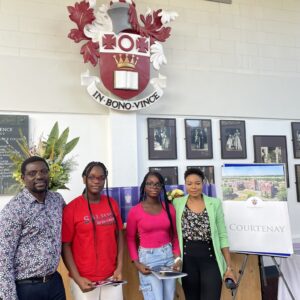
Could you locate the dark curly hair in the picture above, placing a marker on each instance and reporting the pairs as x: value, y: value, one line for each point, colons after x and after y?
x: 30, y: 160
x: 194, y: 171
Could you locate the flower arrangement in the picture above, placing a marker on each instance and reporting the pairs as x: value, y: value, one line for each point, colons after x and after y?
x: 176, y: 193
x: 53, y: 150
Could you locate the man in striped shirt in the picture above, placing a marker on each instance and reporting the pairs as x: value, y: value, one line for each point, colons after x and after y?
x: 30, y: 238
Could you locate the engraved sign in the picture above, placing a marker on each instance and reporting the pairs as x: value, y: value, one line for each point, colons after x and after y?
x: 10, y: 127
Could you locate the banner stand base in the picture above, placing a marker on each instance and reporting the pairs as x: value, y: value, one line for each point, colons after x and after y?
x: 283, y: 278
x: 241, y: 273
x: 262, y: 273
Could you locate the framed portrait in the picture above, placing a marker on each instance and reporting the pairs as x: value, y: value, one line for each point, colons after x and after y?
x: 233, y: 139
x: 296, y: 138
x: 209, y: 173
x: 162, y: 138
x: 198, y: 139
x: 271, y: 149
x: 170, y: 174
x: 297, y: 175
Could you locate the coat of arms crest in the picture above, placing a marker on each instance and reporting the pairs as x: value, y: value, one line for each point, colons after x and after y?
x: 128, y: 54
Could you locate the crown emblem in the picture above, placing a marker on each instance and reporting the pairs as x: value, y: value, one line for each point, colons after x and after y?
x: 254, y: 201
x: 126, y: 63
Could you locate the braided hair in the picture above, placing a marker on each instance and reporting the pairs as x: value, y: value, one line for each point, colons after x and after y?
x: 164, y: 194
x: 87, y: 170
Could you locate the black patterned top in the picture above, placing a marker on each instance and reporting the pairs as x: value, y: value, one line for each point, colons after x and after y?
x: 30, y: 239
x: 195, y: 226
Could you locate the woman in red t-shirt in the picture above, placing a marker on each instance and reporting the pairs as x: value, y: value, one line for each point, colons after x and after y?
x: 92, y: 238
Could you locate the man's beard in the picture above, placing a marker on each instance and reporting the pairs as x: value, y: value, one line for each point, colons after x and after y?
x: 40, y: 190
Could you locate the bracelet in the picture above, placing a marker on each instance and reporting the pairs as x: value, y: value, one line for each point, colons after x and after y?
x: 177, y: 259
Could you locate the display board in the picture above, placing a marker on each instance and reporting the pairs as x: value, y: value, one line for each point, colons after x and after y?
x: 10, y: 127
x: 255, y: 209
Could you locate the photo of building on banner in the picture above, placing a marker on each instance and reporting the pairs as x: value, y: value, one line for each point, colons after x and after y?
x: 267, y: 182
x: 255, y: 208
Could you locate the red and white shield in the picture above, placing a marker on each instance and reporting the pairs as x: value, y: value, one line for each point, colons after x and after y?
x: 125, y: 63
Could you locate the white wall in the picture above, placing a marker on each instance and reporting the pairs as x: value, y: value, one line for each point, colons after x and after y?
x: 233, y: 60
x: 40, y: 66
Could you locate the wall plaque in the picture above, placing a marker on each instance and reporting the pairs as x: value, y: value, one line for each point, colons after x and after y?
x: 10, y: 127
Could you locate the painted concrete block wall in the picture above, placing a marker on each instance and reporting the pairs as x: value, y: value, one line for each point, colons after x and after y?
x: 239, y: 59
x: 40, y: 66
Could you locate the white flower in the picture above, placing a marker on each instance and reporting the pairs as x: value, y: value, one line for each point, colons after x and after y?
x: 92, y: 3
x: 157, y: 55
x: 167, y: 16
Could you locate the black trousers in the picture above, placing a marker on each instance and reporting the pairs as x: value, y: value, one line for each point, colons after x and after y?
x: 50, y: 290
x: 204, y: 280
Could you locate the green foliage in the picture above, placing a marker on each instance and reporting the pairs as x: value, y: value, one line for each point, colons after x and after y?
x: 282, y: 193
x: 250, y: 193
x: 227, y: 192
x: 53, y: 150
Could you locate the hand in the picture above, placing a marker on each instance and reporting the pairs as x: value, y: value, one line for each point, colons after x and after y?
x: 177, y: 265
x: 229, y: 274
x: 85, y: 284
x: 117, y: 276
x: 142, y: 268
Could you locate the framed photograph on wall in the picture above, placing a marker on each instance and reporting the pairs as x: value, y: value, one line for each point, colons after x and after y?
x: 271, y: 149
x: 297, y: 175
x: 209, y: 173
x: 170, y: 174
x: 162, y: 138
x: 233, y: 139
x: 198, y: 139
x: 296, y: 138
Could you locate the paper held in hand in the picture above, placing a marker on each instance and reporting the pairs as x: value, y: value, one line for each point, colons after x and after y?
x: 162, y: 272
x: 109, y: 282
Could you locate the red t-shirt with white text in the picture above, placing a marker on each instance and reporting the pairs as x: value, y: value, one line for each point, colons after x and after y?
x: 94, y: 251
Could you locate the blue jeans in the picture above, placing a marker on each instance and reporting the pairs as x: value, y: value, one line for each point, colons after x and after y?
x: 50, y: 290
x: 151, y: 287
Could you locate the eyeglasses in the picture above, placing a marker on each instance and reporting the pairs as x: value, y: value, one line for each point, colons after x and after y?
x: 96, y: 178
x: 33, y: 173
x: 154, y: 184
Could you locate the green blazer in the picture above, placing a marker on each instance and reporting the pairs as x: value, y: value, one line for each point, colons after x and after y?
x: 217, y: 226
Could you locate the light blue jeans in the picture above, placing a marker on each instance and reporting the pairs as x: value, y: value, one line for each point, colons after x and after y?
x: 151, y: 287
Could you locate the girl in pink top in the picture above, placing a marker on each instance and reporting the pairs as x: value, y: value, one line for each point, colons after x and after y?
x: 153, y: 219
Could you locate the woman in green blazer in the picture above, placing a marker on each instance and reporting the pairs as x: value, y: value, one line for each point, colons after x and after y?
x: 203, y: 240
